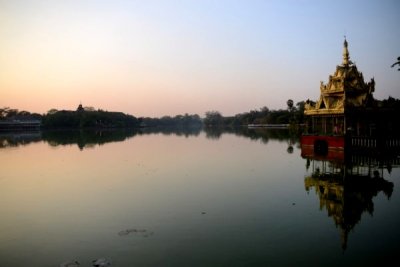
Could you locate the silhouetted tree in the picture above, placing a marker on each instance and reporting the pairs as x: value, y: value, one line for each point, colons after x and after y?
x: 290, y: 104
x: 52, y: 111
x: 397, y: 63
x: 213, y: 118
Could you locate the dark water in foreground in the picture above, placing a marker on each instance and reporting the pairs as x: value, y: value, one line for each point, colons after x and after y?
x: 188, y: 199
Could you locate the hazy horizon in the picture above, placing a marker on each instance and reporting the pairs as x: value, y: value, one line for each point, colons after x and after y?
x: 155, y: 58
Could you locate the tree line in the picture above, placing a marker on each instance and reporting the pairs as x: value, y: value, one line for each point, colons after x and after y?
x: 186, y: 120
x: 81, y: 118
x: 293, y: 114
x: 88, y: 117
x: 87, y: 138
x: 7, y: 113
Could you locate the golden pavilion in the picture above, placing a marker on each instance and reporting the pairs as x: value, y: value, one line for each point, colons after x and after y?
x: 345, y: 92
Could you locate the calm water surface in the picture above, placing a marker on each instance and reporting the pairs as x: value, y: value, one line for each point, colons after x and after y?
x: 194, y: 199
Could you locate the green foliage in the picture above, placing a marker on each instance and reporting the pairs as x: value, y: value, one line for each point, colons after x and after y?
x: 177, y: 121
x: 261, y: 116
x: 290, y: 104
x: 299, y: 112
x: 213, y: 118
x: 7, y: 113
x: 52, y: 111
x: 390, y: 103
x: 397, y: 63
x: 86, y: 119
x: 292, y: 115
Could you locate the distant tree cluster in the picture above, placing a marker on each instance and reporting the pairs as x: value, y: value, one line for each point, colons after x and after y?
x: 86, y: 119
x: 7, y: 113
x: 89, y: 117
x: 186, y: 120
x: 214, y: 118
x: 291, y: 115
x: 390, y: 103
x: 397, y: 63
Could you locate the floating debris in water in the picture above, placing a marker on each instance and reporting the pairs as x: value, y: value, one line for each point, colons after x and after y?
x: 72, y: 263
x: 142, y: 232
x: 101, y: 262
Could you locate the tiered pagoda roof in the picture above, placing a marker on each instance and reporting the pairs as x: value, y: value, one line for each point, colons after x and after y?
x: 345, y: 89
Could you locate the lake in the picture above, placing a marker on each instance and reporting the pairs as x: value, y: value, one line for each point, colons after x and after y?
x: 189, y: 198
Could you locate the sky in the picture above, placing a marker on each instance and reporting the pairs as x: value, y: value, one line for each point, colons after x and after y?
x: 168, y: 57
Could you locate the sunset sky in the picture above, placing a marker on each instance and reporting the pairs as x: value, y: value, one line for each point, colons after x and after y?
x: 169, y: 57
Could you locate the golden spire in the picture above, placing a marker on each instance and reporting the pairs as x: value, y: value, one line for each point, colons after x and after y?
x: 346, y: 55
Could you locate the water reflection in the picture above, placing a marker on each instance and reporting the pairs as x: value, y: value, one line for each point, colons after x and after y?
x: 261, y: 134
x: 89, y: 138
x: 86, y: 139
x: 347, y: 181
x: 162, y: 199
x: 21, y: 138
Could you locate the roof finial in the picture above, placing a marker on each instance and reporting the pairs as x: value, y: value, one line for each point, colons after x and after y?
x: 346, y: 55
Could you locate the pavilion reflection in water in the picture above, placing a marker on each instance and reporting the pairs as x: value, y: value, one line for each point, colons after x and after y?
x: 351, y: 141
x: 347, y: 181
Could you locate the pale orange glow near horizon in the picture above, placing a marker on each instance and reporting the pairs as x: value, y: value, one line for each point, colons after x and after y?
x: 160, y: 58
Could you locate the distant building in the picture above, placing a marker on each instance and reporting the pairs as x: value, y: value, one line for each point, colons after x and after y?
x: 80, y: 108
